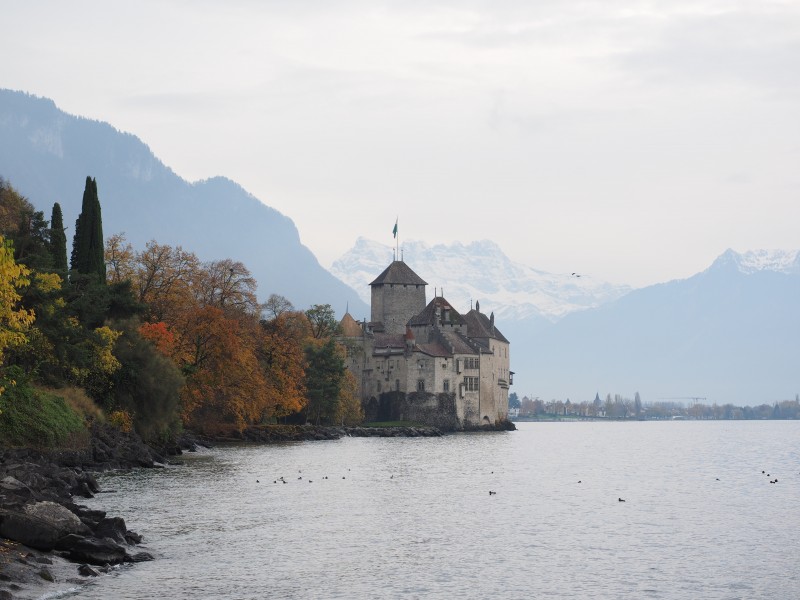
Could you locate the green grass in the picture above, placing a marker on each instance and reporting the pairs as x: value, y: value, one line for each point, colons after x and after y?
x: 38, y: 419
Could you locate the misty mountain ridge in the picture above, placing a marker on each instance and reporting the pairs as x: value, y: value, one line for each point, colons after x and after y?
x: 728, y: 334
x: 46, y: 155
x: 479, y: 270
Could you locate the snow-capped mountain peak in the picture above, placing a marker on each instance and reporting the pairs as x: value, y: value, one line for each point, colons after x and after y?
x: 753, y: 261
x: 479, y: 270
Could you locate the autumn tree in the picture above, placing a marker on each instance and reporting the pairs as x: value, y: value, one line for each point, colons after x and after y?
x: 120, y: 259
x: 14, y: 320
x: 280, y: 352
x: 228, y: 285
x: 225, y: 386
x: 164, y: 279
x: 275, y: 306
x: 349, y: 411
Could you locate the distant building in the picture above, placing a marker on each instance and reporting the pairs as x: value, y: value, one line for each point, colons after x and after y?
x: 427, y: 363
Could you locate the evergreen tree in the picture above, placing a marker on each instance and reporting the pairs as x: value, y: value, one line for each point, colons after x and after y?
x: 87, y: 245
x: 58, y: 239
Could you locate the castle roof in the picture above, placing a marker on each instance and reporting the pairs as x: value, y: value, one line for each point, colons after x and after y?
x: 481, y: 326
x: 350, y: 327
x: 434, y: 349
x: 398, y: 272
x: 389, y: 340
x: 437, y: 305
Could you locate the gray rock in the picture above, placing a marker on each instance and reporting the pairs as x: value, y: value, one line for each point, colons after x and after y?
x: 113, y: 528
x: 87, y: 571
x: 28, y: 530
x: 97, y: 552
x: 59, y: 517
x: 140, y: 557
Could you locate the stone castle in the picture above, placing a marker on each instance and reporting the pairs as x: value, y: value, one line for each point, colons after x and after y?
x: 427, y: 363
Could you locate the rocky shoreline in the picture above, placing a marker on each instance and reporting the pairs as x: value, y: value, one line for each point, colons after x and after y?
x: 49, y: 542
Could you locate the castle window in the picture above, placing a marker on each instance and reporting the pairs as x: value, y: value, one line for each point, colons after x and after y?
x: 471, y: 384
x: 446, y: 385
x: 379, y: 387
x: 420, y: 385
x: 397, y: 385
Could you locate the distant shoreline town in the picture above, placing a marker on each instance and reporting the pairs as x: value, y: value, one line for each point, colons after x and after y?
x: 619, y: 408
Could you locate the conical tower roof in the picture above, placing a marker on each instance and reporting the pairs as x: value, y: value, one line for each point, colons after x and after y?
x: 398, y: 273
x: 350, y: 327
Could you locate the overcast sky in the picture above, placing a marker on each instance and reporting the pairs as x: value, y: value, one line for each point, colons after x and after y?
x: 630, y: 141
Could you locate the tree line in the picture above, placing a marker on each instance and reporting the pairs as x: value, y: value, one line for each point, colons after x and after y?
x: 621, y: 407
x: 154, y: 339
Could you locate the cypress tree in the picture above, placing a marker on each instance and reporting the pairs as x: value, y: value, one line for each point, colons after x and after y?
x: 58, y: 239
x: 87, y: 245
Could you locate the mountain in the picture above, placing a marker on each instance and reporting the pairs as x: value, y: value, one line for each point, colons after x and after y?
x: 46, y: 155
x: 480, y: 271
x: 727, y: 334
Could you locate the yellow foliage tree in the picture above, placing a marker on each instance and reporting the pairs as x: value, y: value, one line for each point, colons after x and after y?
x: 14, y: 320
x: 349, y: 412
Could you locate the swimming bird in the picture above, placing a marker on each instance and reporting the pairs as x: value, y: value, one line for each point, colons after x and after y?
x: 257, y: 481
x: 579, y: 481
x: 491, y: 493
x: 620, y: 499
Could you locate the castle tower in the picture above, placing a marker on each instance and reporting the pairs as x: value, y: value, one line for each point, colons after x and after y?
x: 397, y: 295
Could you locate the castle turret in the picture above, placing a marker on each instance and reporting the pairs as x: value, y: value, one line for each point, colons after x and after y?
x: 397, y: 295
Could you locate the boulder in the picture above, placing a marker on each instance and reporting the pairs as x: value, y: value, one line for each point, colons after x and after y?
x: 95, y: 551
x: 140, y: 557
x: 63, y: 519
x: 87, y: 571
x: 28, y: 530
x: 112, y: 528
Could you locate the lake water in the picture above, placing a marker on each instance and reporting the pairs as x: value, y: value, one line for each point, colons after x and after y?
x: 413, y: 518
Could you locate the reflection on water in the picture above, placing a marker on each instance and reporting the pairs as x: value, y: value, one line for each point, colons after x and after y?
x: 413, y: 518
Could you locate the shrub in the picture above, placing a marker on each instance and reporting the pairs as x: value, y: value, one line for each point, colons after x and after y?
x: 39, y: 419
x: 122, y: 420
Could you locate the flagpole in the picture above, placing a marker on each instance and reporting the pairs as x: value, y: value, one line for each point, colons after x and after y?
x: 396, y: 239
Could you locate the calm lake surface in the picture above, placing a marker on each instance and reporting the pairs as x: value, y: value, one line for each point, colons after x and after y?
x: 413, y: 518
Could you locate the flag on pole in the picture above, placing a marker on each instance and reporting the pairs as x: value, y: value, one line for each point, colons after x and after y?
x: 394, y: 231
